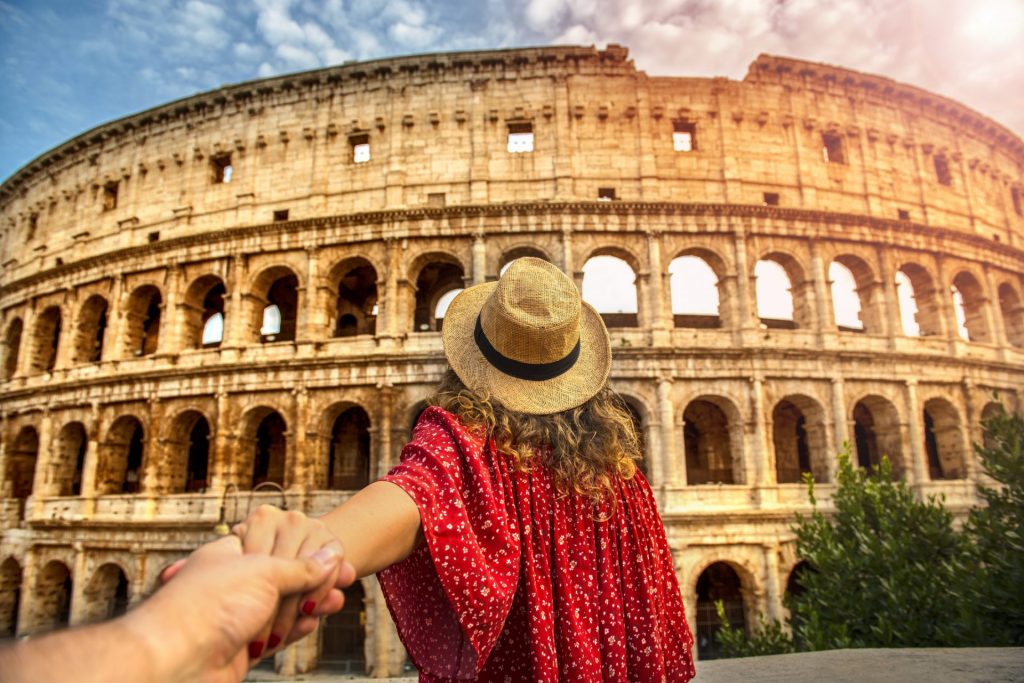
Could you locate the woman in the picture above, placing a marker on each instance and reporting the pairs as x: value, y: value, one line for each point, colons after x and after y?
x: 516, y: 540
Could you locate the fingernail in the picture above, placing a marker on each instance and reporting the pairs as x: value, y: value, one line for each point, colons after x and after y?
x: 273, y: 641
x: 308, y: 607
x: 255, y: 649
x: 325, y: 556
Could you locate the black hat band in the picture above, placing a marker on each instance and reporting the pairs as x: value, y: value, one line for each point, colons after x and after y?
x: 535, y: 372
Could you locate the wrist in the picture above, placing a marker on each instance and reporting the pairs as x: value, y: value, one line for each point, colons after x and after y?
x: 164, y: 648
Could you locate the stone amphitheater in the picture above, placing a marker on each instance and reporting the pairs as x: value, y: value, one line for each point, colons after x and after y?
x: 234, y: 299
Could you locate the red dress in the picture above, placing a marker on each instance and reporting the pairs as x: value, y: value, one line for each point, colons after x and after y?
x: 519, y: 583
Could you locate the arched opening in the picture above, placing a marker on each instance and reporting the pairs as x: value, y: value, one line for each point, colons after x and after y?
x: 92, y: 329
x: 349, y: 465
x: 876, y: 428
x: 846, y: 306
x: 799, y: 438
x: 356, y: 301
x: 21, y: 462
x: 142, y: 321
x: 968, y: 304
x: 776, y: 304
x: 609, y: 285
x: 46, y: 340
x: 106, y: 595
x: 708, y: 444
x: 519, y: 252
x: 12, y: 347
x: 53, y: 597
x: 70, y: 455
x: 10, y: 597
x: 279, y: 289
x: 943, y: 440
x: 267, y: 431
x: 920, y: 306
x: 640, y: 426
x: 695, y: 297
x: 188, y: 454
x: 343, y: 635
x: 204, y: 313
x: 1013, y: 314
x: 435, y: 280
x: 718, y: 582
x: 120, y: 463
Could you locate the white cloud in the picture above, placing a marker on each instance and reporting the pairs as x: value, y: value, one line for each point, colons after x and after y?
x: 246, y: 51
x: 413, y: 35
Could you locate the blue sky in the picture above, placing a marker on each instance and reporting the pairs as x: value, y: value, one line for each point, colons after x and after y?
x: 71, y: 65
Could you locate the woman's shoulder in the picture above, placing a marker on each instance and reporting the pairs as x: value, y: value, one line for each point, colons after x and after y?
x: 437, y: 425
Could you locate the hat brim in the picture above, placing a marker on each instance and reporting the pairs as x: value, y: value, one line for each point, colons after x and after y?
x: 572, y: 388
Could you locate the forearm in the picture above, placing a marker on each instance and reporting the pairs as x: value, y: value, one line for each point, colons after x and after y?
x: 378, y: 527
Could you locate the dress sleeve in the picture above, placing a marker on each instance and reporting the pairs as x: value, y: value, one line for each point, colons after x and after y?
x: 450, y: 598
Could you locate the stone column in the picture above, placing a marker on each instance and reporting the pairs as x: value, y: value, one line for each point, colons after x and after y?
x: 28, y: 346
x: 971, y: 432
x: 149, y: 481
x: 29, y: 584
x: 669, y: 473
x: 6, y: 486
x: 840, y: 424
x: 68, y: 331
x: 479, y: 258
x: 311, y: 308
x: 79, y: 609
x: 772, y: 584
x: 382, y: 454
x: 914, y: 420
x: 236, y: 317
x: 91, y: 462
x: 659, y: 313
x: 113, y: 339
x: 994, y: 315
x: 760, y: 457
x: 221, y: 470
x: 823, y: 323
x: 389, y: 327
x: 746, y: 312
x: 42, y: 486
x: 567, y: 259
x: 299, y: 473
x: 138, y: 581
x: 172, y: 314
x: 890, y: 299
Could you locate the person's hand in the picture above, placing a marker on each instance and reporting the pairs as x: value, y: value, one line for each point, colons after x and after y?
x: 200, y: 624
x: 271, y: 531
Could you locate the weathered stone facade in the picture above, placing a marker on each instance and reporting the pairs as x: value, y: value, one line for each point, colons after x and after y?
x: 241, y: 287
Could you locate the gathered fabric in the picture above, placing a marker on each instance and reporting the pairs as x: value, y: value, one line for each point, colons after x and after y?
x: 518, y: 581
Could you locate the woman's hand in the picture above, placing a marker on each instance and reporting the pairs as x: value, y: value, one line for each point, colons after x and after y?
x: 271, y: 531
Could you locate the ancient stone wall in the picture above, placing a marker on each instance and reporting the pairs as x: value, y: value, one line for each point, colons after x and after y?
x: 243, y: 290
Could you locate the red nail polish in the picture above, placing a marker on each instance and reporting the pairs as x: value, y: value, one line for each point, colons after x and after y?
x: 273, y: 641
x: 308, y: 607
x: 255, y: 649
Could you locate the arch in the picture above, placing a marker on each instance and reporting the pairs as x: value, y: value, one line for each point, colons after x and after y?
x: 142, y: 321
x: 12, y: 348
x: 640, y: 415
x: 783, y: 293
x: 354, y: 285
x: 439, y: 274
x: 21, y: 462
x: 52, y: 599
x: 46, y: 340
x: 92, y: 330
x: 708, y: 426
x: 1013, y: 314
x: 265, y: 442
x: 876, y: 428
x: 119, y: 466
x: 943, y: 440
x: 349, y: 454
x: 106, y: 594
x: 72, y: 442
x: 856, y: 295
x: 800, y: 439
x: 188, y: 453
x: 921, y: 310
x: 204, y: 312
x: 969, y: 304
x: 694, y: 286
x: 519, y: 252
x: 276, y: 291
x: 609, y: 285
x: 718, y: 581
x: 343, y: 634
x: 10, y: 597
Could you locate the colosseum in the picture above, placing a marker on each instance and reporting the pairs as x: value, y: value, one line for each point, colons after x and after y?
x: 234, y: 299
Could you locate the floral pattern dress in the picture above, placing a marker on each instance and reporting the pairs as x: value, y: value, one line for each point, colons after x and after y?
x: 518, y: 582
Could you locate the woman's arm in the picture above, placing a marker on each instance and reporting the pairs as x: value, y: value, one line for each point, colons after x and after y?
x: 377, y: 527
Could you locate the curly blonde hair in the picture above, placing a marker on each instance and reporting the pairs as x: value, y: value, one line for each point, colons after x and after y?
x: 586, y: 448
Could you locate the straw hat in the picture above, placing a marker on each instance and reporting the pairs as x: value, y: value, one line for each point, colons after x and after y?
x: 528, y: 340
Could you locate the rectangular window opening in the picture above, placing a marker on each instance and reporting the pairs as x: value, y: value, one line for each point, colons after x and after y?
x: 771, y: 198
x: 153, y: 236
x: 280, y: 215
x: 1015, y: 196
x: 606, y: 194
x: 832, y: 148
x: 520, y: 138
x: 33, y: 223
x: 110, y: 196
x: 942, y: 172
x: 684, y: 136
x: 435, y: 199
x: 360, y: 148
x: 903, y: 214
x: 222, y: 168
